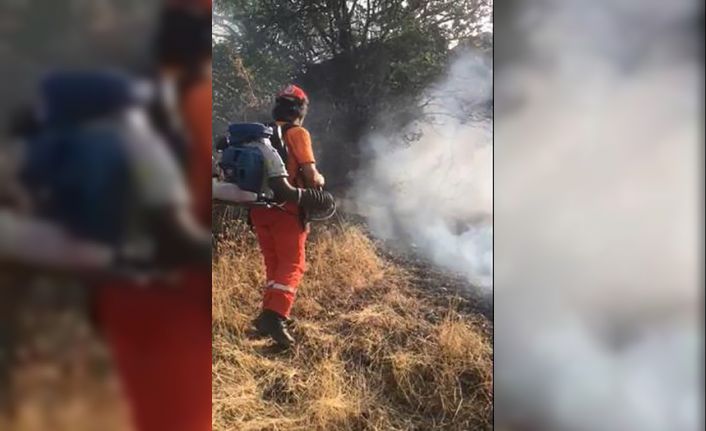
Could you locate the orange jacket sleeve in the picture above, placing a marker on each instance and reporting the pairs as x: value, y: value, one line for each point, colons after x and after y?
x: 300, y: 150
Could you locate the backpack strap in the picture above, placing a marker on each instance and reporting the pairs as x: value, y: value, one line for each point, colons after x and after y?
x: 278, y: 138
x: 277, y: 141
x: 288, y: 126
x: 285, y: 128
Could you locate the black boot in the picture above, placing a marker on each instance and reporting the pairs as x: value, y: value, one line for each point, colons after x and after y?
x: 275, y: 326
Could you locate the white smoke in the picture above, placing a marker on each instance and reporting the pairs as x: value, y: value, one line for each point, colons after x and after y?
x: 436, y: 191
x: 597, y: 223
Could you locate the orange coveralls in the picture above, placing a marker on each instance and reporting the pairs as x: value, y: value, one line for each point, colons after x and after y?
x: 280, y: 233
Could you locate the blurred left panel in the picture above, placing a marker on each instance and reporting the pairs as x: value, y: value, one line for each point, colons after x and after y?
x: 105, y: 244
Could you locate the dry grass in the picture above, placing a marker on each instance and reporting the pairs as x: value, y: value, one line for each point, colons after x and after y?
x: 61, y: 379
x: 373, y: 354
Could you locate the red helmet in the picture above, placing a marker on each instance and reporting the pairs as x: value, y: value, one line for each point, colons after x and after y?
x: 291, y: 91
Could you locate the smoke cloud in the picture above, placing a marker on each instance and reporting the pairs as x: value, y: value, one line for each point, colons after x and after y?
x: 429, y: 185
x: 597, y: 221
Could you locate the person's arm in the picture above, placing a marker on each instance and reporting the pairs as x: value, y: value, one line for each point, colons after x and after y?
x: 180, y: 238
x: 312, y: 177
x: 32, y: 244
x: 163, y: 193
x: 227, y: 192
x: 283, y: 190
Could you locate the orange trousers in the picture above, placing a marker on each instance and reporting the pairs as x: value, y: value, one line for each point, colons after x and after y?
x: 160, y: 340
x: 282, y: 240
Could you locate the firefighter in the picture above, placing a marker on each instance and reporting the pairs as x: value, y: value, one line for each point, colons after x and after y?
x: 160, y: 334
x: 282, y: 232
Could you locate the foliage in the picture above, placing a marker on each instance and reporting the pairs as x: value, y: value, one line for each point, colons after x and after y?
x: 356, y: 58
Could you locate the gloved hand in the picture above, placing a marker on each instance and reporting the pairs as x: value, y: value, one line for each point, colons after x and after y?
x: 317, y: 201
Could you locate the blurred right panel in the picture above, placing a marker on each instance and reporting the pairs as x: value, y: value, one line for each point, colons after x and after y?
x: 598, y: 215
